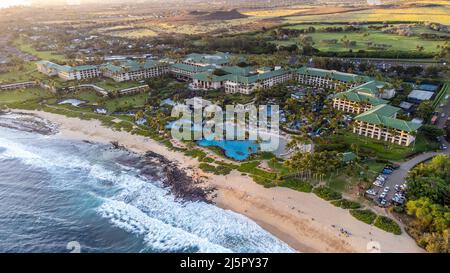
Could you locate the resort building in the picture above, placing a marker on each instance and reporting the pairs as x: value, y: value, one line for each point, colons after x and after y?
x: 19, y: 85
x: 381, y: 123
x: 236, y: 79
x: 249, y: 83
x: 355, y: 103
x: 216, y: 60
x: 133, y: 90
x: 363, y: 97
x: 132, y: 70
x: 375, y: 88
x: 330, y: 79
x: 67, y: 72
x: 182, y: 71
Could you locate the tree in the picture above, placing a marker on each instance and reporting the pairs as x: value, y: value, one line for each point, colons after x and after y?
x: 425, y: 110
x: 431, y: 180
x: 431, y: 131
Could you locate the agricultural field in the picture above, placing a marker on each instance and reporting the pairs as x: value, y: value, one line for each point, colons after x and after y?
x: 438, y: 14
x: 268, y: 13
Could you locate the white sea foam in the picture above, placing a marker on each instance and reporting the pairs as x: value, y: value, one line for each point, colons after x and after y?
x: 144, y: 208
x: 15, y: 150
x: 160, y: 236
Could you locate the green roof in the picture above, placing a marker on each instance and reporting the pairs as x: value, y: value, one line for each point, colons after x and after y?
x: 218, y: 58
x: 236, y: 70
x: 383, y: 110
x: 356, y: 97
x: 333, y: 74
x: 372, y: 87
x: 378, y: 119
x: 257, y: 77
x: 65, y: 68
x: 208, y: 76
x: 130, y: 66
x: 192, y: 68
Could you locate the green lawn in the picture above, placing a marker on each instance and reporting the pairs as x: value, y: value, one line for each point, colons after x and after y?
x: 382, y: 149
x: 397, y: 42
x: 126, y: 102
x: 20, y: 74
x: 14, y: 96
x: 111, y: 85
x: 43, y: 55
x: 342, y: 180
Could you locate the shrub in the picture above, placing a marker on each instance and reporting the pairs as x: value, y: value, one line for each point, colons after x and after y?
x: 346, y: 204
x: 327, y: 193
x: 387, y: 224
x: 366, y: 216
x: 207, y: 159
x: 219, y: 170
x: 297, y: 185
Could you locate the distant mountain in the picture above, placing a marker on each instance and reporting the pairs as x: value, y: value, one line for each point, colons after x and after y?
x: 219, y: 15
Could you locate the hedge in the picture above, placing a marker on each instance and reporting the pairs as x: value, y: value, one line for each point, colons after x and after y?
x: 327, y: 193
x: 366, y: 216
x: 387, y: 224
x: 346, y: 204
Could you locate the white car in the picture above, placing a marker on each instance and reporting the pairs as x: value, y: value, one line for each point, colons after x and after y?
x: 383, y: 195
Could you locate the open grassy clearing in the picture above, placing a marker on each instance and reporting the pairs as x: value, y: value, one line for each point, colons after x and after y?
x: 23, y: 73
x: 44, y: 55
x: 17, y: 96
x: 112, y: 85
x: 382, y: 149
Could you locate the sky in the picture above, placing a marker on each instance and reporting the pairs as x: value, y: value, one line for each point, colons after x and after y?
x: 8, y: 3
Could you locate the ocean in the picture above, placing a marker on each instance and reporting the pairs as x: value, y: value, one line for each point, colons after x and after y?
x: 57, y: 193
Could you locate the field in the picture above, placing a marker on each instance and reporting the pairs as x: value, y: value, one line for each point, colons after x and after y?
x: 43, y: 55
x: 274, y: 12
x: 111, y: 85
x: 383, y: 150
x: 16, y: 96
x: 396, y: 42
x: 438, y: 14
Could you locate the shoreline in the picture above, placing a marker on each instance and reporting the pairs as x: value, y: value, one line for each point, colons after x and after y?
x: 302, y: 220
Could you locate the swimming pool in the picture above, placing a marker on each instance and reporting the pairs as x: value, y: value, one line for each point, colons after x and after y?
x: 236, y: 149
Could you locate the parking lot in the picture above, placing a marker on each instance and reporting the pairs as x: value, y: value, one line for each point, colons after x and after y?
x: 387, y: 190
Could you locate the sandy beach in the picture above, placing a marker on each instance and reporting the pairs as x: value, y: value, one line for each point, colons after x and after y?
x: 304, y: 221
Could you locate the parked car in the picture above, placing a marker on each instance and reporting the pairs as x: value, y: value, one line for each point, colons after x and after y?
x: 444, y: 147
x: 371, y: 192
x: 378, y: 183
